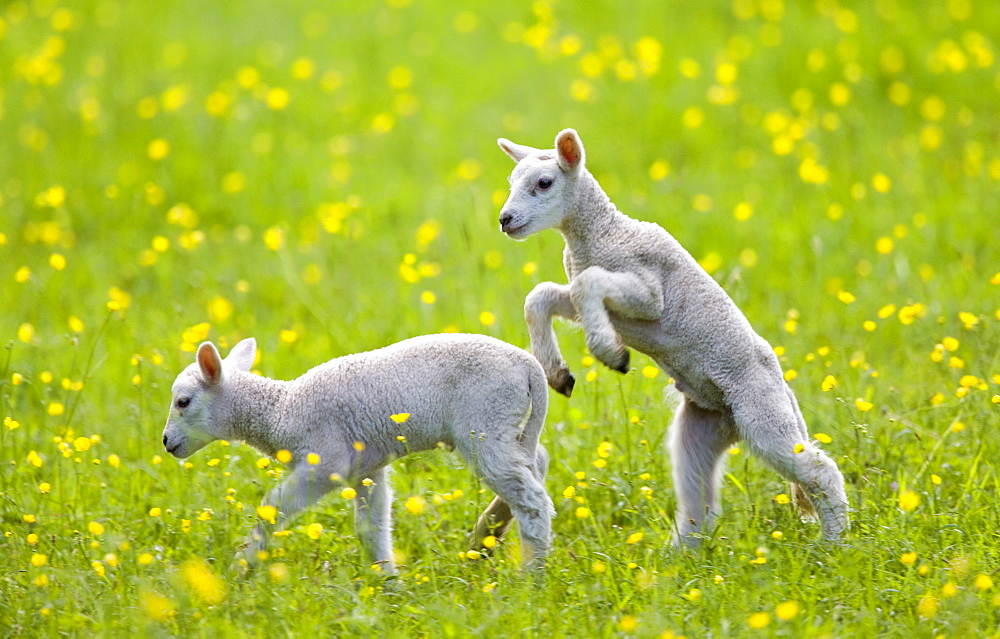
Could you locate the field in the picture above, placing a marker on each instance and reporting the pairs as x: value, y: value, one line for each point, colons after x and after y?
x: 326, y: 179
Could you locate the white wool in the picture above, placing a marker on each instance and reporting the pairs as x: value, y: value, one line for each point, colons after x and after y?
x: 483, y: 397
x: 631, y: 284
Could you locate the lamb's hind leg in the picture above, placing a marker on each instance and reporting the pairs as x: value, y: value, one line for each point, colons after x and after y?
x: 497, y: 518
x: 506, y: 468
x: 545, y: 301
x: 769, y: 425
x: 699, y: 439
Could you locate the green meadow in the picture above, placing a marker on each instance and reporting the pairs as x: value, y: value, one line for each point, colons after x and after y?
x: 324, y: 177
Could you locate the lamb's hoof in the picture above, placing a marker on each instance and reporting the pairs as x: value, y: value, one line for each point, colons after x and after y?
x: 563, y: 382
x: 620, y: 362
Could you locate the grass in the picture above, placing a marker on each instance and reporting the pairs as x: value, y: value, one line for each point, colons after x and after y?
x: 326, y: 180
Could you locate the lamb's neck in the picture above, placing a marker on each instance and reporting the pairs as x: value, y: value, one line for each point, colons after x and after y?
x: 592, y: 215
x: 256, y: 410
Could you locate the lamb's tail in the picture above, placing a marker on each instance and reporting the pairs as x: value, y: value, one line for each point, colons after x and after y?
x: 538, y: 393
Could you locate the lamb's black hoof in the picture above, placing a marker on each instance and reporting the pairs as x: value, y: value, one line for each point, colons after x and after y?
x: 563, y: 382
x: 621, y: 364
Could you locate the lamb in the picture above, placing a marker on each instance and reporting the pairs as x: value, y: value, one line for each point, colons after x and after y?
x: 631, y: 284
x: 475, y: 393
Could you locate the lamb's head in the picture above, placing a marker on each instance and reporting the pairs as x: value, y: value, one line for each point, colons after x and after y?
x: 198, y: 410
x: 542, y: 185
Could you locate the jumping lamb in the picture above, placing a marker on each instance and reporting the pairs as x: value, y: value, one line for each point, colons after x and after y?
x: 632, y: 284
x: 344, y: 421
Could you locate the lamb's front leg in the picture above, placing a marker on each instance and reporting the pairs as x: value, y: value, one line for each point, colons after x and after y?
x: 594, y: 291
x: 373, y: 520
x: 545, y: 301
x: 304, y: 486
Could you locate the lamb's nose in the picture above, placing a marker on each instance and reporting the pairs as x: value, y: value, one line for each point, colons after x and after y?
x: 505, y: 219
x: 164, y: 441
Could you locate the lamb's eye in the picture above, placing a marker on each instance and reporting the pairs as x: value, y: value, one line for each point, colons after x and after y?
x: 182, y: 402
x: 544, y: 183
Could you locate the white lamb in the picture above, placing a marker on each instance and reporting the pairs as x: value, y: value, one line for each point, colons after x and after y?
x: 471, y: 392
x: 631, y: 283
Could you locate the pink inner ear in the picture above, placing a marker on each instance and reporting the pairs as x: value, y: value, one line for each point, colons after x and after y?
x: 568, y: 150
x: 211, y: 366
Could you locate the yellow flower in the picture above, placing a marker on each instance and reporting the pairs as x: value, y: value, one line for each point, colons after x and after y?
x: 267, y: 513
x: 278, y: 572
x: 984, y: 582
x: 759, y: 620
x: 787, y: 611
x: 158, y: 607
x: 650, y: 372
x: 927, y: 607
x: 39, y: 560
x: 909, y: 500
x: 487, y: 318
x: 416, y: 504
x: 782, y: 499
x: 863, y: 406
x: 81, y: 443
x: 582, y: 512
x: 277, y: 98
x: 34, y: 459
x: 158, y: 149
x: 155, y: 511
x: 314, y: 530
x: 968, y: 319
x: 348, y: 493
x: 798, y: 448
x: 400, y: 418
x: 312, y: 459
x: 635, y: 538
x: 489, y: 541
x: 823, y: 438
x: 206, y: 586
x: 659, y: 170
x: 57, y: 408
x: 845, y: 297
x: 95, y: 528
x: 908, y: 558
x: 145, y: 559
x: 627, y: 623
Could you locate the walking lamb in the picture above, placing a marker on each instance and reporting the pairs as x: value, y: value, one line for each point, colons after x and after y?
x: 359, y: 412
x: 632, y: 284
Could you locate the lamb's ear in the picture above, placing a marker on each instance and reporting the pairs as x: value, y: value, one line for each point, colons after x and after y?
x: 243, y: 354
x: 210, y: 363
x: 569, y: 148
x: 517, y: 152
